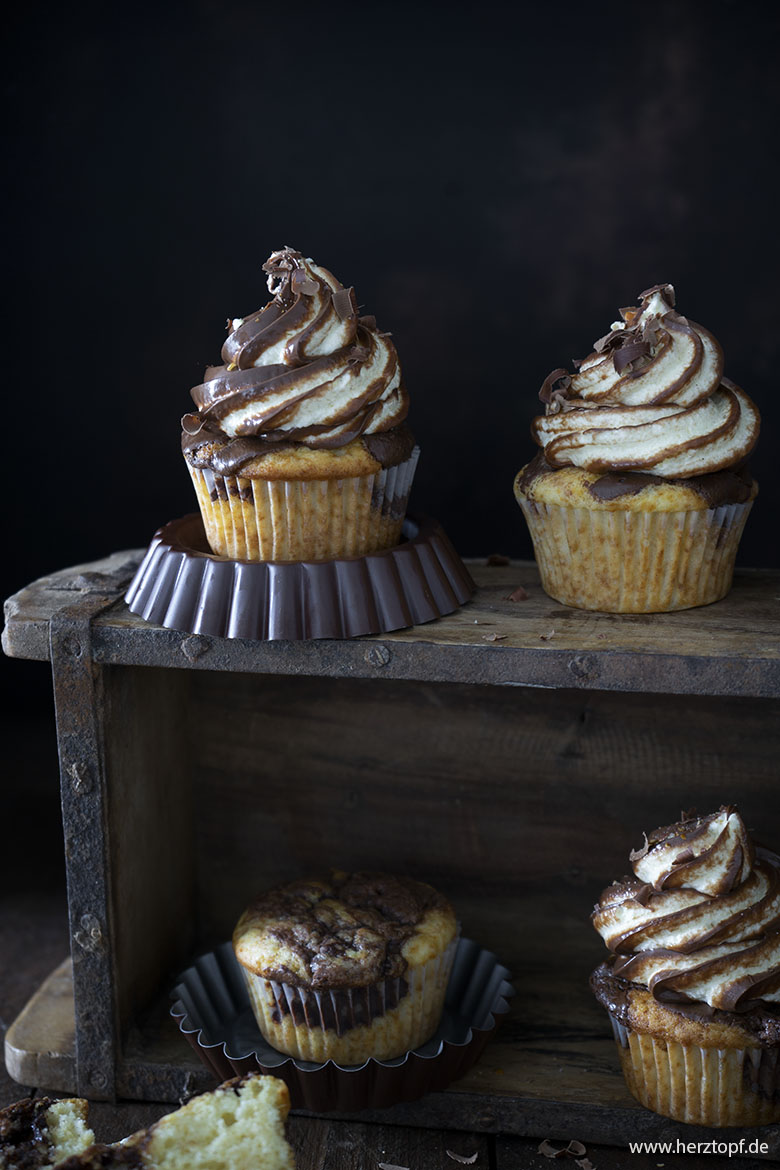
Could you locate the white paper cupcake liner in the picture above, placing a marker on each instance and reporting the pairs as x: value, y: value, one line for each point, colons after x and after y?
x: 303, y: 520
x: 635, y: 562
x: 702, y: 1086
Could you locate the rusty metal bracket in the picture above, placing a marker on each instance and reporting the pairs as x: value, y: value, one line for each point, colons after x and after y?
x: 77, y: 702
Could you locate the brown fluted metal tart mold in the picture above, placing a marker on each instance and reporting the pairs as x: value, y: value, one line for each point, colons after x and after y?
x: 211, y: 1006
x: 181, y: 585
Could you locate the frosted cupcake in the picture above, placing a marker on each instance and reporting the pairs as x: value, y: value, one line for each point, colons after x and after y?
x: 638, y: 498
x: 298, y: 449
x: 693, y: 987
x: 348, y: 968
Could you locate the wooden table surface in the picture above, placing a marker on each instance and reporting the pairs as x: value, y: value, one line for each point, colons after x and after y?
x: 34, y: 939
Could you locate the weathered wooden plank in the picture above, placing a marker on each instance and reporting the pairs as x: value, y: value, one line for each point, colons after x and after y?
x: 731, y: 647
x: 28, y: 613
x: 488, y: 789
x: 320, y: 1145
x: 40, y: 1043
x: 146, y: 732
x: 78, y: 702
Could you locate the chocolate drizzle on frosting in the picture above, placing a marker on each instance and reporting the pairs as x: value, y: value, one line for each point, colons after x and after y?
x: 209, y: 447
x: 700, y: 921
x: 615, y: 993
x: 650, y: 398
x: 304, y: 369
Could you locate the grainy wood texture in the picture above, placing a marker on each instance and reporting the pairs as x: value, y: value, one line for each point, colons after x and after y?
x: 323, y: 1145
x: 150, y: 828
x: 439, y: 751
x: 730, y: 648
x: 40, y: 1045
x: 502, y: 787
x: 79, y: 705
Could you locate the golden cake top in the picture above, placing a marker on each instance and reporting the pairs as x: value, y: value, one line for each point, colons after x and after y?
x: 348, y: 930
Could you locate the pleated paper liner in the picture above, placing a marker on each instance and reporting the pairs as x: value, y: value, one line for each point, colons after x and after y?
x: 211, y: 1006
x: 181, y: 585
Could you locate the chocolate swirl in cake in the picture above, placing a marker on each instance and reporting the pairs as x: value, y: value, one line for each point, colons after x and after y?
x: 651, y: 397
x: 700, y: 921
x: 345, y: 931
x: 305, y: 368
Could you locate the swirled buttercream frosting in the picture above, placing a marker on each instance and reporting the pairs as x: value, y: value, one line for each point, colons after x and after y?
x: 650, y: 398
x: 306, y: 368
x: 700, y: 920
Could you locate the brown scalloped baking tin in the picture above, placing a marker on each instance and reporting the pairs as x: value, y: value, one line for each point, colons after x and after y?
x: 211, y: 1007
x: 181, y: 585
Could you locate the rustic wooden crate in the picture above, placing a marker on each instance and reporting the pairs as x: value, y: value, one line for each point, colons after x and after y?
x: 511, y: 753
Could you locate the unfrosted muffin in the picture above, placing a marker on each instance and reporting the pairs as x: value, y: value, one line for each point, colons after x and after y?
x: 41, y: 1131
x: 238, y: 1126
x: 693, y: 985
x: 347, y: 968
x: 637, y: 501
x: 299, y: 450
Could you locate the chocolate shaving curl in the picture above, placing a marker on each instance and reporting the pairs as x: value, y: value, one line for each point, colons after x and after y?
x: 344, y: 303
x: 627, y: 354
x: 666, y: 291
x: 281, y: 268
x: 637, y: 854
x: 608, y: 341
x: 643, y: 895
x: 554, y: 391
x: 574, y: 1149
x: 652, y: 328
x: 192, y: 424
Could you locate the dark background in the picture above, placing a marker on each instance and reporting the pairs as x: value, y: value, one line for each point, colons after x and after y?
x: 494, y: 180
